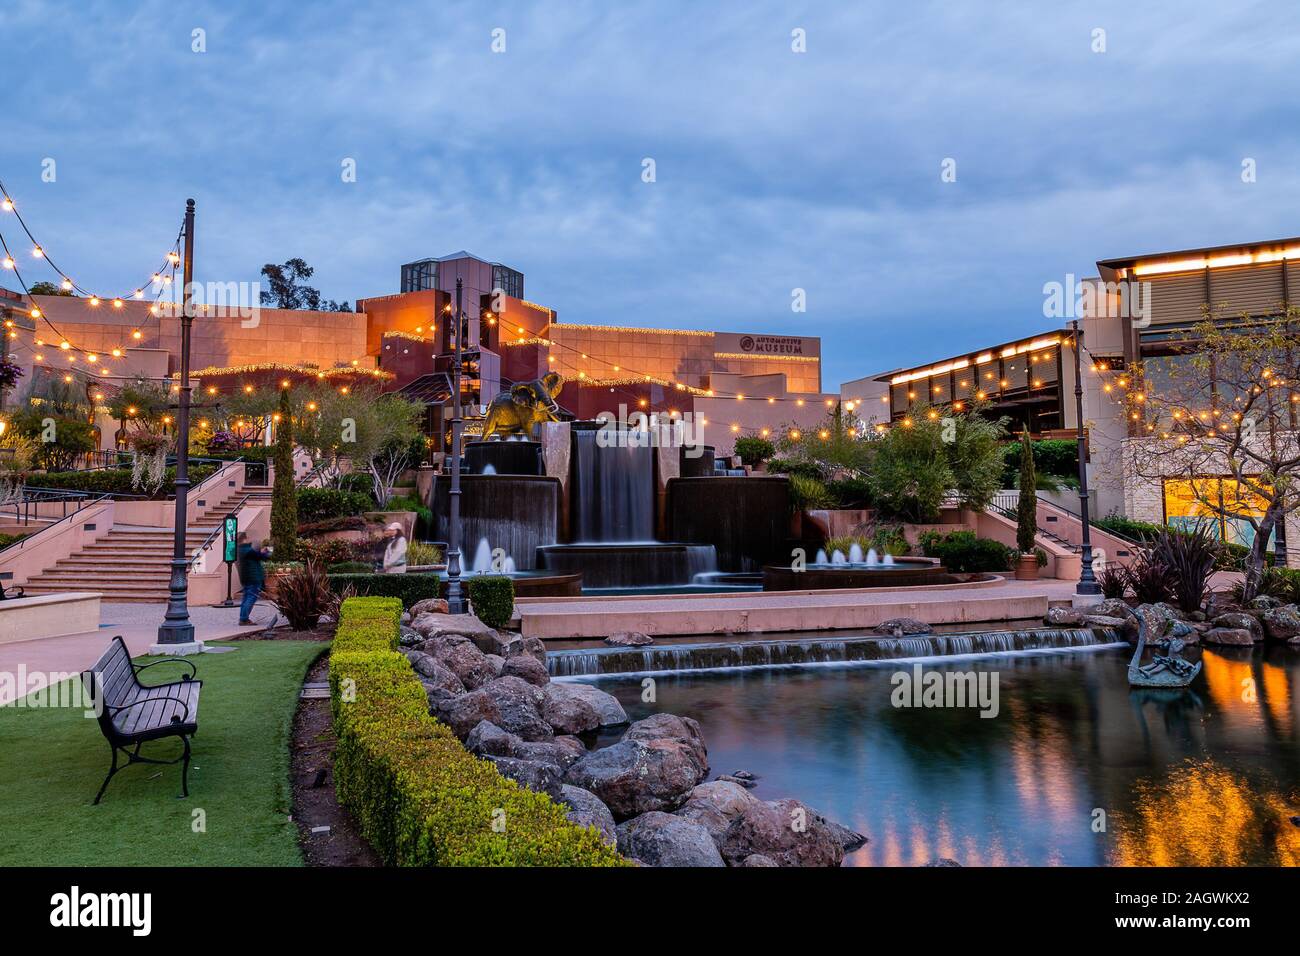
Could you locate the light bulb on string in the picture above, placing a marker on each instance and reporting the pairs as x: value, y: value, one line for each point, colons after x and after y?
x: 67, y: 285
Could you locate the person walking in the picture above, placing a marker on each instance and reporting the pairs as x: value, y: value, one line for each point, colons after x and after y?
x: 395, y: 550
x: 252, y: 574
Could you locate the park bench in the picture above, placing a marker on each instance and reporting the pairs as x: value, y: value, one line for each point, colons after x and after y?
x: 131, y: 713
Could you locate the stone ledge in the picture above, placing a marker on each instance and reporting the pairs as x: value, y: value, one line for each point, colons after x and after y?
x: 48, y: 615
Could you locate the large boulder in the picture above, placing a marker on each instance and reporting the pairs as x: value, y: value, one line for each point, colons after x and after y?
x: 671, y: 727
x: 1239, y: 620
x: 609, y: 711
x: 436, y: 625
x: 1156, y: 618
x: 508, y: 644
x: 431, y: 671
x: 1063, y: 617
x: 519, y: 708
x: 634, y: 776
x: 526, y: 668
x: 465, y: 712
x: 464, y: 660
x: 409, y: 636
x: 1265, y: 602
x: 629, y: 639
x: 566, y: 712
x: 661, y: 839
x: 586, y: 810
x: 1232, y: 636
x: 489, y: 740
x: 715, y: 806
x: 428, y: 606
x: 1115, y: 608
x: 1282, y: 623
x: 787, y: 832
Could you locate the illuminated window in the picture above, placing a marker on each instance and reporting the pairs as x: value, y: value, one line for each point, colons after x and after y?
x: 1189, y: 503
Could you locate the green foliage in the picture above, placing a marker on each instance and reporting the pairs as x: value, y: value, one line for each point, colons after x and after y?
x: 493, y: 599
x: 8, y: 539
x: 795, y: 466
x: 973, y: 445
x: 142, y: 402
x: 1191, y: 557
x: 302, y: 595
x: 410, y: 588
x: 1058, y: 457
x: 327, y: 551
x: 1280, y: 583
x: 284, y: 496
x: 422, y: 554
x: 1113, y: 580
x: 423, y: 515
x: 115, y: 480
x: 419, y: 798
x: 911, y: 473
x: 809, y: 494
x: 753, y: 449
x: 351, y: 567
x: 838, y: 443
x: 850, y: 492
x: 320, y: 504
x: 886, y: 539
x: 70, y: 437
x: 1027, y: 507
x: 965, y: 553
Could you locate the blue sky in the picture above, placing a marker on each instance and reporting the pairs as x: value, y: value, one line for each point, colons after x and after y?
x: 774, y: 170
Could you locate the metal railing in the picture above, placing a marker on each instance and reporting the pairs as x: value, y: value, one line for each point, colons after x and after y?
x: 1008, y: 505
x: 212, y: 535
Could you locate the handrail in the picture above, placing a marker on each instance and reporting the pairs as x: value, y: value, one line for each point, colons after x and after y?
x: 207, y: 542
x: 22, y: 543
x: 1129, y: 539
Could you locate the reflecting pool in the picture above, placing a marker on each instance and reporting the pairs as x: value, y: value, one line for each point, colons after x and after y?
x: 1075, y: 769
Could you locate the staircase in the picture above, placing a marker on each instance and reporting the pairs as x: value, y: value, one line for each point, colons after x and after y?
x: 134, y: 564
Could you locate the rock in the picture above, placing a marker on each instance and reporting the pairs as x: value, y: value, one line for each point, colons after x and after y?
x: 1063, y: 617
x: 588, y: 811
x: 1102, y: 620
x: 1265, y: 603
x: 629, y: 639
x: 715, y: 805
x: 465, y: 661
x: 661, y: 839
x: 1241, y: 621
x: 672, y: 727
x: 744, y: 775
x: 497, y: 664
x: 634, y: 777
x: 526, y: 668
x: 943, y: 861
x: 489, y: 740
x: 849, y: 839
x: 1196, y: 616
x: 1282, y: 623
x: 565, y: 712
x: 508, y: 644
x: 438, y: 697
x: 757, y: 859
x: 533, y: 774
x: 1156, y: 617
x: 428, y: 606
x: 787, y: 831
x: 462, y: 714
x: 902, y: 626
x: 433, y: 624
x: 740, y: 781
x: 1228, y: 635
x: 609, y: 711
x: 428, y: 667
x: 1116, y: 608
x: 409, y: 636
x: 405, y: 618
x: 518, y: 706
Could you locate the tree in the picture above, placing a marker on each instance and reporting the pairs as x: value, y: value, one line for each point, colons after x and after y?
x: 397, y: 444
x: 142, y: 404
x: 245, y: 415
x: 1219, y: 414
x: 911, y: 474
x: 973, y: 445
x: 47, y: 288
x: 289, y: 292
x: 362, y: 430
x: 284, y: 494
x: 1027, y: 507
x: 839, y: 444
x: 55, y: 416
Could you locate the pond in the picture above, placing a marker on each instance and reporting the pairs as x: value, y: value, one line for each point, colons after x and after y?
x: 1075, y: 769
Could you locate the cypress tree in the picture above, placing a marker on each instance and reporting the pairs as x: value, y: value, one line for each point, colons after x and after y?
x: 284, y: 494
x: 1027, y: 510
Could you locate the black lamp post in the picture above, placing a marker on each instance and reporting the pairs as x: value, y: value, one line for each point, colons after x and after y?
x: 1087, y: 582
x: 455, y: 600
x: 176, y: 633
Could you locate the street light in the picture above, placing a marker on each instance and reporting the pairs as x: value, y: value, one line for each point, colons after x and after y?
x: 455, y: 600
x: 176, y: 633
x: 1087, y: 582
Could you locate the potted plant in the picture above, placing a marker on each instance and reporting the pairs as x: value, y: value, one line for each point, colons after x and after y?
x: 1027, y: 514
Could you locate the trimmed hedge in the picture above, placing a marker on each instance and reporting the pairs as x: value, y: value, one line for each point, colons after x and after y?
x: 493, y: 599
x: 417, y: 795
x: 965, y: 553
x: 114, y: 480
x: 320, y: 504
x: 408, y: 587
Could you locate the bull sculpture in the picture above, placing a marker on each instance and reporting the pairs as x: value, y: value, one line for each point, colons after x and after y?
x: 516, y: 411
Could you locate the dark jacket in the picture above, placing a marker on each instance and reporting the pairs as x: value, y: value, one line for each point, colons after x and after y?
x: 250, y: 561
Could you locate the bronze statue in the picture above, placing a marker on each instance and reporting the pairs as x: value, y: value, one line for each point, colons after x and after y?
x: 526, y: 404
x: 1164, y: 670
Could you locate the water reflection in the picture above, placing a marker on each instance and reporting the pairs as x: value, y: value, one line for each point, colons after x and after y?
x: 1206, y: 776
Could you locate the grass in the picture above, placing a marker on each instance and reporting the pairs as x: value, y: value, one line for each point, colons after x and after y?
x: 53, y: 760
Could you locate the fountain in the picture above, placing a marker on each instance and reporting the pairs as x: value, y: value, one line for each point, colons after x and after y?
x: 855, y: 570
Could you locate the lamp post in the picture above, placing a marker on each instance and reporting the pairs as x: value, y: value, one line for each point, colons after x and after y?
x: 455, y: 601
x: 1087, y: 583
x: 176, y: 633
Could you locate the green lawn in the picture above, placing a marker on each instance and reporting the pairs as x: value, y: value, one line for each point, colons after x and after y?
x: 53, y: 760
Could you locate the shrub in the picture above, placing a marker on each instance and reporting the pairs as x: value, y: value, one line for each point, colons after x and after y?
x: 493, y: 599
x: 1058, y: 457
x: 753, y: 449
x: 1113, y: 580
x: 1280, y: 583
x: 8, y: 539
x: 965, y: 553
x: 422, y: 554
x: 114, y: 481
x: 319, y: 504
x: 327, y: 551
x: 850, y: 492
x: 1027, y: 506
x: 302, y: 595
x: 911, y: 474
x: 1150, y: 578
x: 1190, y: 557
x: 351, y: 567
x: 808, y: 494
x: 795, y: 466
x: 419, y: 798
x: 423, y: 515
x: 408, y: 587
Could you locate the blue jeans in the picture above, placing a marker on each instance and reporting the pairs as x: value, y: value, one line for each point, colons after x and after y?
x: 251, y: 591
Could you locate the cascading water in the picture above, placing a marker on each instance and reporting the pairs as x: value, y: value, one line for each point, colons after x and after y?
x: 612, y: 497
x: 786, y: 653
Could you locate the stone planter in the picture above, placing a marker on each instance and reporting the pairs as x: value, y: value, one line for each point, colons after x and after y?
x: 1027, y: 567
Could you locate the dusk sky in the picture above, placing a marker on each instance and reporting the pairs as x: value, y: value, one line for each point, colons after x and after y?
x: 774, y: 170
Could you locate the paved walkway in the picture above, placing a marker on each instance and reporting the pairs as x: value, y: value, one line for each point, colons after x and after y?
x: 28, y: 665
x: 767, y: 611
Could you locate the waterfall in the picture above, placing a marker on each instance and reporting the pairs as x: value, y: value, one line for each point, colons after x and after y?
x: 826, y: 651
x: 612, y: 494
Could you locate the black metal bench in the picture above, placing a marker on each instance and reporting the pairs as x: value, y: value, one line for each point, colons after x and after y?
x: 131, y: 714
